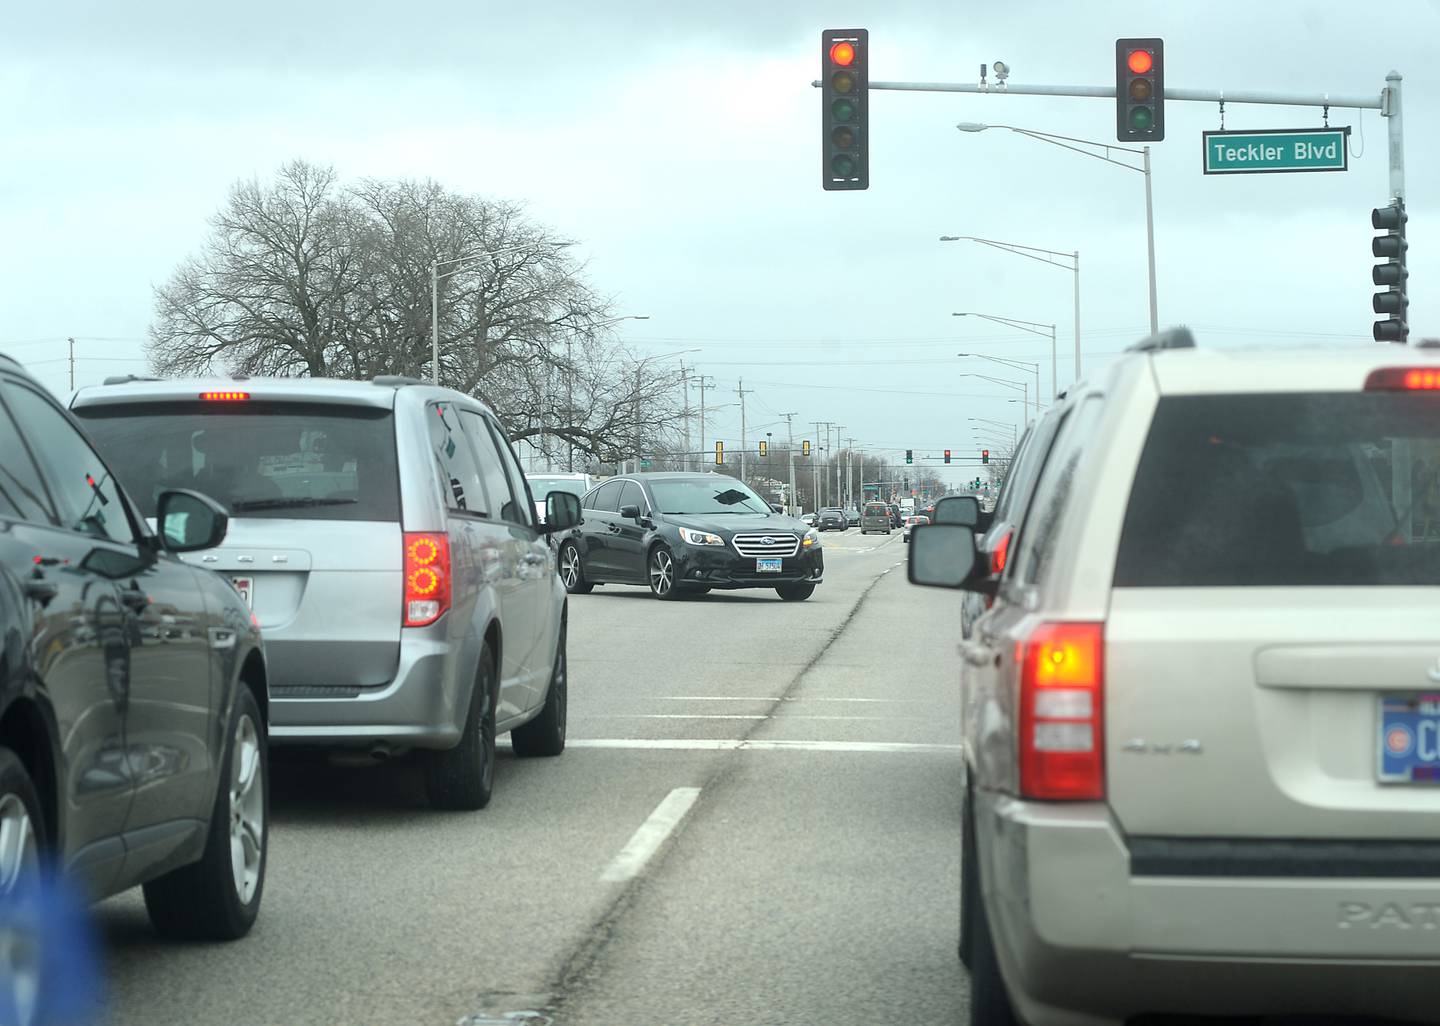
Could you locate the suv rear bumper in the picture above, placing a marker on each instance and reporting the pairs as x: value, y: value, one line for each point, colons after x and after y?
x: 1083, y: 942
x: 422, y: 707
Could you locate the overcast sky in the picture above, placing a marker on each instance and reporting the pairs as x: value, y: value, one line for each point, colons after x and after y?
x: 680, y: 143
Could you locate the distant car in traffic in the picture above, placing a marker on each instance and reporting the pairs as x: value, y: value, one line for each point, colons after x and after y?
x: 912, y: 522
x: 541, y: 485
x: 384, y: 535
x: 133, y: 731
x: 1208, y: 683
x: 832, y: 519
x: 875, y: 517
x: 852, y: 517
x: 686, y: 534
x: 808, y: 519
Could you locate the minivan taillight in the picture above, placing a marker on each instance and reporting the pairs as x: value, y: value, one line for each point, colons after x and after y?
x: 1062, y: 736
x: 427, y: 578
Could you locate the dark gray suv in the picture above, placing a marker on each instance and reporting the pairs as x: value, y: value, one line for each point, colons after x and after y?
x: 386, y: 539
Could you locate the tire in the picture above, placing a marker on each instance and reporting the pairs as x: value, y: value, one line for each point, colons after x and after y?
x: 462, y: 778
x: 969, y: 883
x: 660, y: 572
x: 544, y: 736
x: 797, y: 592
x: 573, y: 576
x: 218, y: 898
x: 20, y: 818
x: 989, y: 1002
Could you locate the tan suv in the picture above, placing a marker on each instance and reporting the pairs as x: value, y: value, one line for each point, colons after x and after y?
x: 875, y: 517
x: 1202, y: 717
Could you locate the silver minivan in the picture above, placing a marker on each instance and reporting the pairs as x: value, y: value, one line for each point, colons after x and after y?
x: 384, y: 537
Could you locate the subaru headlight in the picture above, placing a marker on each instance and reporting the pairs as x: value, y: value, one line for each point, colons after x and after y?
x: 690, y: 537
x: 811, y: 539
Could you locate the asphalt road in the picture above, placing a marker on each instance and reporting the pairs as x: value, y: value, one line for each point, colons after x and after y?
x: 757, y: 821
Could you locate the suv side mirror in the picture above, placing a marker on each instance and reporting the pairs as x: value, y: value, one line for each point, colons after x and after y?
x: 958, y: 509
x: 631, y: 512
x: 562, y: 512
x: 189, y: 521
x: 945, y: 556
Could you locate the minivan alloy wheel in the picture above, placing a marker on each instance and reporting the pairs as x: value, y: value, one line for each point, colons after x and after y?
x: 247, y: 809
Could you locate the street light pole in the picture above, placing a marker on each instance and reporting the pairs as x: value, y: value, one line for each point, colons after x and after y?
x: 1100, y: 151
x: 1034, y: 328
x: 1024, y: 387
x: 1015, y: 365
x: 1052, y: 257
x: 460, y: 263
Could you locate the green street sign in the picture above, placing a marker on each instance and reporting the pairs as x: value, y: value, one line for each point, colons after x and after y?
x: 646, y: 462
x: 1277, y: 150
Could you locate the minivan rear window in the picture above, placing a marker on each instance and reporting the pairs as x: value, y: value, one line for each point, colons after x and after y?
x: 1290, y: 489
x: 312, y: 461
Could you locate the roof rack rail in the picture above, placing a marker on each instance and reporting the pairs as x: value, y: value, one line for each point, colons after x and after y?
x: 395, y: 380
x: 125, y: 379
x: 1171, y: 338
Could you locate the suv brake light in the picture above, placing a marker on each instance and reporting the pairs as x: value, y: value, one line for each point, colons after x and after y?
x: 1403, y: 379
x: 427, y: 578
x: 1062, y: 667
x: 1000, y: 552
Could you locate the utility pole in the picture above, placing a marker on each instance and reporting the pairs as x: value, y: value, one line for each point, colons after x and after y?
x: 839, y: 492
x: 819, y: 478
x: 742, y: 392
x: 790, y: 425
x: 850, y: 469
x: 685, y: 386
x: 72, y: 363
x: 704, y: 381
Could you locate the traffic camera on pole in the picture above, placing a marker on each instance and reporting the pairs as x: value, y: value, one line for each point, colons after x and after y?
x: 845, y: 122
x: 1392, y: 273
x: 1140, y: 90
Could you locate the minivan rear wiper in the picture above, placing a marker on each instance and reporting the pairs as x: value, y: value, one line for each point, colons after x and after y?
x: 296, y: 503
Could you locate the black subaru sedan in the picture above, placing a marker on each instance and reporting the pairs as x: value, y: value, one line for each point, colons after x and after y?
x: 687, y: 534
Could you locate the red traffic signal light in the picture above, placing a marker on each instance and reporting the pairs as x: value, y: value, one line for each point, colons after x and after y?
x: 947, y: 455
x: 984, y: 455
x: 844, y: 115
x: 1140, y: 90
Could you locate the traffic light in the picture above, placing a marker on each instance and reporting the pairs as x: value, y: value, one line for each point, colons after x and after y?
x: 845, y: 121
x: 947, y: 455
x: 764, y: 449
x: 1391, y: 273
x: 909, y: 455
x: 1140, y: 90
x: 905, y: 485
x: 719, y: 454
x: 805, y: 447
x: 984, y: 455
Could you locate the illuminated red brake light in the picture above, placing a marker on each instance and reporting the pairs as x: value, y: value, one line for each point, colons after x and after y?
x: 225, y: 397
x: 1062, y: 736
x: 427, y: 578
x: 1001, y: 552
x: 1403, y: 379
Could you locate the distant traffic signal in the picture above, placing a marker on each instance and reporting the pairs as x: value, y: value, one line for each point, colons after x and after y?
x: 947, y: 455
x: 1392, y: 273
x: 984, y: 455
x: 845, y: 121
x: 805, y: 447
x: 1140, y: 90
x: 764, y: 449
x: 909, y: 455
x: 719, y: 454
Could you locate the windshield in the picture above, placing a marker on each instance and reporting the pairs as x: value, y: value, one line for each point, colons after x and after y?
x: 724, y: 496
x: 540, y: 487
x: 258, y: 459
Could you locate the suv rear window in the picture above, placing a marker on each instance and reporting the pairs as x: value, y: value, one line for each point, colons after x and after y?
x: 260, y: 459
x: 1290, y: 489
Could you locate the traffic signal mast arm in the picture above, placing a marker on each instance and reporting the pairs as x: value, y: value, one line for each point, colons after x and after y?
x: 1387, y: 102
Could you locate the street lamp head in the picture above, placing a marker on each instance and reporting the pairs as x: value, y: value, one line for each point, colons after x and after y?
x: 973, y: 126
x: 965, y: 314
x: 952, y: 238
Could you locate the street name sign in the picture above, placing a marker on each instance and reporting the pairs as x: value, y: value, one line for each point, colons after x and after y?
x: 1277, y: 150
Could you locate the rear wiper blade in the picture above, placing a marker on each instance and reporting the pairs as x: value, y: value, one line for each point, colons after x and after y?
x: 299, y: 503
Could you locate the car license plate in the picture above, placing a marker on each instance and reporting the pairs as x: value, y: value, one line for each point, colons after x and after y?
x: 1410, y: 739
x: 769, y: 566
x: 246, y: 587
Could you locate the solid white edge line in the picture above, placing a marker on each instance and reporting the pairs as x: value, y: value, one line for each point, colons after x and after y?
x: 646, y: 841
